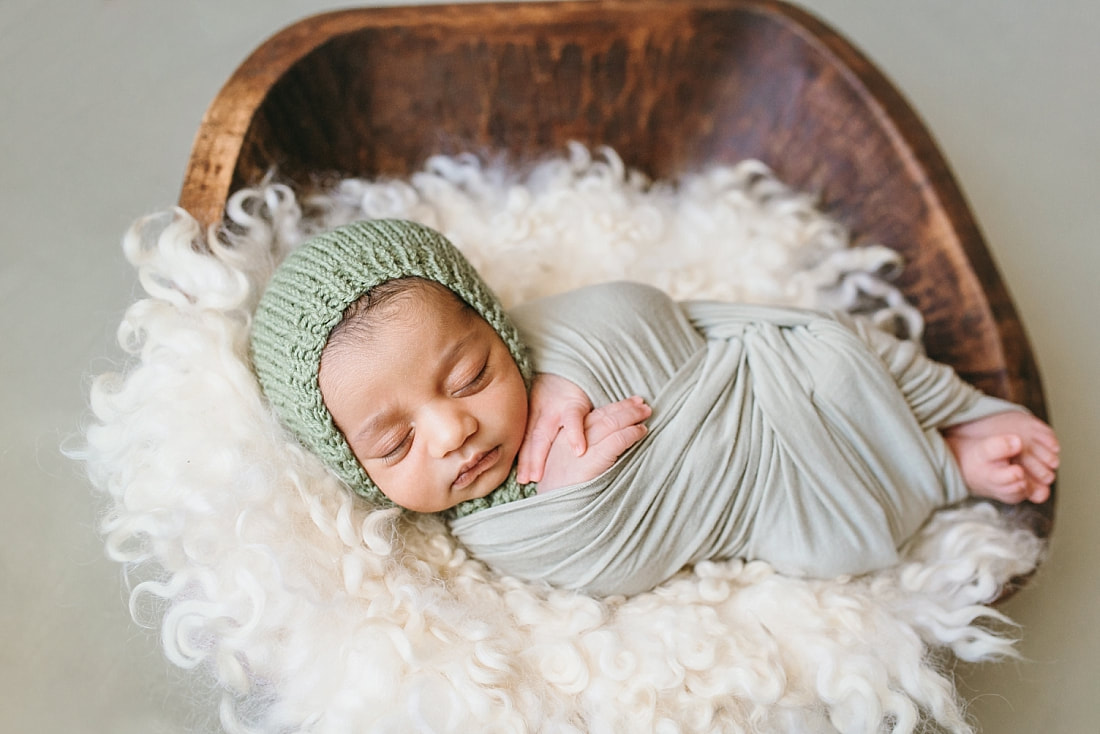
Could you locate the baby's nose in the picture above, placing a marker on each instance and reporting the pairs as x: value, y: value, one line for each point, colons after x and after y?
x: 450, y: 426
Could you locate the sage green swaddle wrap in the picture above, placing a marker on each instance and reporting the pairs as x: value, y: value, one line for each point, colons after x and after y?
x: 777, y: 434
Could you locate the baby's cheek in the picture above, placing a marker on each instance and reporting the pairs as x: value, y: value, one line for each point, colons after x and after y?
x: 517, y: 422
x: 512, y: 451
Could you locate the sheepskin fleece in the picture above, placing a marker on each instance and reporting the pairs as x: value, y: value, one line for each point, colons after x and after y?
x: 313, y: 612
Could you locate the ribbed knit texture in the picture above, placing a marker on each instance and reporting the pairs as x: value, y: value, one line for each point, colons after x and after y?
x: 306, y: 299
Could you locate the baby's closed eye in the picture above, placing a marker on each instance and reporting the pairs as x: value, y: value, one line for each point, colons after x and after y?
x: 399, y: 449
x: 473, y: 379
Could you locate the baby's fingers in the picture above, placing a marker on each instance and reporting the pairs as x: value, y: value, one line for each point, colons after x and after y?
x: 607, y: 420
x: 606, y: 451
x: 1006, y: 478
x: 1044, y: 452
x: 1037, y: 434
x: 573, y: 420
x: 1040, y: 463
x: 541, y: 431
x: 1039, y: 469
x: 533, y: 452
x: 1037, y: 492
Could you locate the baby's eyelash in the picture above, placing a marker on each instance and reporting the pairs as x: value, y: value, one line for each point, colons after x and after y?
x: 476, y: 380
x: 398, y: 451
x: 480, y: 373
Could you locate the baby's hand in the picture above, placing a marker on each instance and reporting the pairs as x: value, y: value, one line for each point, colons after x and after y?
x: 609, y: 431
x: 556, y: 405
x: 1009, y: 457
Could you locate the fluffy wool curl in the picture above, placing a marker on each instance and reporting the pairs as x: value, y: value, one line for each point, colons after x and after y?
x: 310, y: 612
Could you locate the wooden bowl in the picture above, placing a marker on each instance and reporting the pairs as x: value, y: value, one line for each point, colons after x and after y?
x: 671, y: 85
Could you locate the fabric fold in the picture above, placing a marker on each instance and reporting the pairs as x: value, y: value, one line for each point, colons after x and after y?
x: 777, y: 434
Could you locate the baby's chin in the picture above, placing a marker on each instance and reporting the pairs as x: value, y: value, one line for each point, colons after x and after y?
x: 494, y: 478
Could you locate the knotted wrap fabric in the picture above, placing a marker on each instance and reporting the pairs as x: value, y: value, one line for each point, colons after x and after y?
x: 777, y: 434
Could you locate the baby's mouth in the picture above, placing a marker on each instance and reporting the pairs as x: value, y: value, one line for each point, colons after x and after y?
x: 475, y: 468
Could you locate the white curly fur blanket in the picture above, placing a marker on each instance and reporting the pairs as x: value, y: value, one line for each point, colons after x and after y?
x: 315, y: 614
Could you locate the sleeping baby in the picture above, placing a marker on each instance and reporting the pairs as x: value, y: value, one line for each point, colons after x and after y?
x: 605, y: 438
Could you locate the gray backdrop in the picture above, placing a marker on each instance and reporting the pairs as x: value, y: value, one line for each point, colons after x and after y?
x: 100, y: 101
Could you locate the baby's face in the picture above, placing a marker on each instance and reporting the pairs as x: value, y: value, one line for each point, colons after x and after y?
x: 430, y: 400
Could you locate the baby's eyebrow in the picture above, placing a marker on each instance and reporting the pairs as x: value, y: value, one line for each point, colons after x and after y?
x: 376, y: 425
x: 452, y: 355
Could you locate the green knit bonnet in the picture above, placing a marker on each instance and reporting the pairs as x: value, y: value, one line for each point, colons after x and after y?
x: 306, y: 298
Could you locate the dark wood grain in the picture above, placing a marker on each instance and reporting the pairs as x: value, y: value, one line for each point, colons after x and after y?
x: 671, y: 85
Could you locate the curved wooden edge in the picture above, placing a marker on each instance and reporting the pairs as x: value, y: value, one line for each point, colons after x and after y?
x: 1021, y: 382
x: 214, y: 154
x: 218, y: 142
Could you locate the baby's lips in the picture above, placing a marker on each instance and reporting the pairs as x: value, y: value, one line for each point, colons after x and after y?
x: 464, y: 479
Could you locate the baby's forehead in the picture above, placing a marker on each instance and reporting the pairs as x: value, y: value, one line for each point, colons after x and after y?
x: 414, y: 291
x: 429, y: 295
x: 398, y: 309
